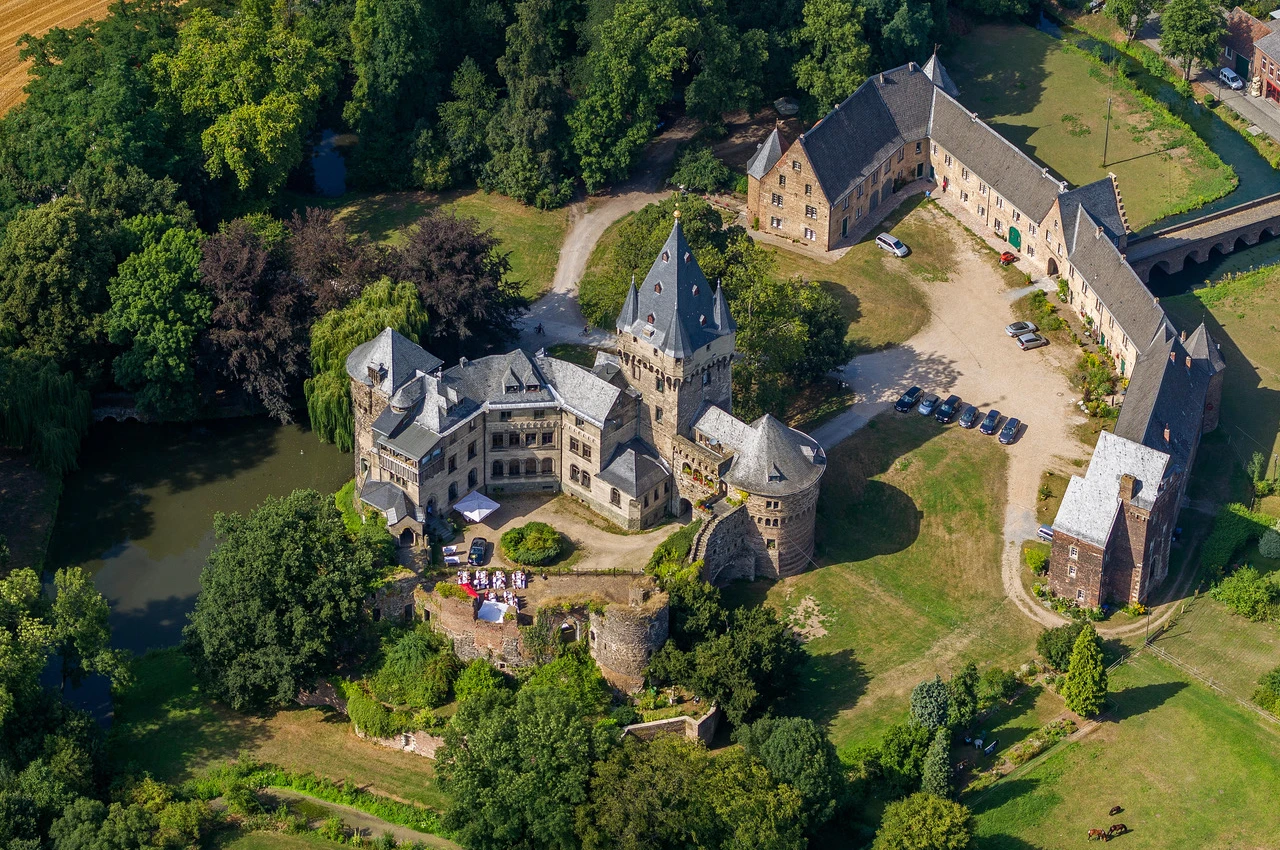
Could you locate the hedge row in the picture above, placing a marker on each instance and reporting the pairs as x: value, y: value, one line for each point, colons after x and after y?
x: 1233, y: 528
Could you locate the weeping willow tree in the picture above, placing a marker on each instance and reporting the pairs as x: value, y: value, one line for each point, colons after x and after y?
x: 42, y: 412
x: 382, y: 305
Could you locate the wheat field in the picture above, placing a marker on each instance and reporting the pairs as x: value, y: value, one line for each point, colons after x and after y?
x: 34, y: 16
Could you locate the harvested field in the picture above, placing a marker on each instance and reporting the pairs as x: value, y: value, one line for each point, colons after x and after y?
x: 18, y: 17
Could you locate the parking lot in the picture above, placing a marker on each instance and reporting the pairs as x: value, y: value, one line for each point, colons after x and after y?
x: 964, y: 350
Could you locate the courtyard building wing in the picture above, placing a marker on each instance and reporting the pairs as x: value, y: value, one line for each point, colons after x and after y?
x: 510, y: 379
x: 580, y: 391
x: 1100, y: 200
x: 1090, y: 504
x: 635, y: 469
x: 1164, y: 405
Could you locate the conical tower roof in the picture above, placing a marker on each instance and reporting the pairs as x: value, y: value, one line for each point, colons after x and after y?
x: 675, y: 308
x: 776, y: 460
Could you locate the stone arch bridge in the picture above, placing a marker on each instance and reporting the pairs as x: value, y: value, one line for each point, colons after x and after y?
x: 1221, y: 232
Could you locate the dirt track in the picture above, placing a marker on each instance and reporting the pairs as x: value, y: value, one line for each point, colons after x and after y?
x: 31, y: 16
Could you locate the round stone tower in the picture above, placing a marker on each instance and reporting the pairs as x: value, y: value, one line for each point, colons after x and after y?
x: 623, y: 638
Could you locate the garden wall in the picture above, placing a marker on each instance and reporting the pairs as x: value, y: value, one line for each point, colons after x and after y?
x: 702, y: 729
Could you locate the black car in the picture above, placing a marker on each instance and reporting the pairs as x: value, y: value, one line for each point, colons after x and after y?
x: 947, y: 410
x: 908, y: 400
x: 970, y: 417
x: 1010, y: 431
x: 927, y: 405
x: 989, y: 423
x: 479, y: 548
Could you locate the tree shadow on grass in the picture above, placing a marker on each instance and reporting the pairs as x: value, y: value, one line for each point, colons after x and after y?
x: 1132, y: 702
x: 827, y: 685
x: 1005, y: 791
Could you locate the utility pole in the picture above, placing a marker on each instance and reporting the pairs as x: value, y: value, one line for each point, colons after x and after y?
x: 1107, y: 136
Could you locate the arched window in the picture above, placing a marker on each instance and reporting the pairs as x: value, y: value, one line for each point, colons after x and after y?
x: 497, y: 469
x: 453, y: 490
x: 548, y: 466
x: 531, y: 466
x: 471, y: 478
x: 513, y: 468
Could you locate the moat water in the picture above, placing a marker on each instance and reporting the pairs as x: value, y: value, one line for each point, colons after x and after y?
x: 138, y: 514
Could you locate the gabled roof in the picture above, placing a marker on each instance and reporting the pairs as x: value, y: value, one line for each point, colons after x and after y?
x: 1243, y: 30
x: 1269, y: 44
x: 675, y: 309
x: 766, y: 155
x: 386, y: 497
x: 1014, y: 175
x: 394, y: 356
x: 635, y: 469
x: 1165, y: 393
x: 580, y: 391
x: 775, y: 460
x: 1114, y: 281
x: 722, y: 427
x: 1089, y: 506
x: 1099, y: 200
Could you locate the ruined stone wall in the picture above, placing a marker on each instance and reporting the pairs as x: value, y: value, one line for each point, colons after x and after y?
x: 623, y: 638
x: 701, y: 729
x: 498, y: 643
x: 419, y: 743
x: 724, y: 550
x: 395, y: 600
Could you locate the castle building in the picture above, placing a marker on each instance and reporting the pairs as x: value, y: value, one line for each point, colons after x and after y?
x: 649, y: 431
x: 830, y: 187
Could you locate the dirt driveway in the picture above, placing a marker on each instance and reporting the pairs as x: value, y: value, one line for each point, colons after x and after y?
x: 964, y: 350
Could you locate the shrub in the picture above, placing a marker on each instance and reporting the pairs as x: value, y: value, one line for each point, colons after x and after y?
x: 930, y: 702
x: 698, y: 170
x: 669, y: 560
x: 449, y: 590
x: 532, y: 545
x: 1064, y: 291
x: 478, y: 677
x: 417, y: 670
x: 1055, y: 645
x: 997, y: 684
x: 1048, y: 735
x: 1267, y: 696
x: 1037, y: 561
x: 1269, y: 544
x: 1247, y: 593
x: 1234, y: 527
x: 740, y: 186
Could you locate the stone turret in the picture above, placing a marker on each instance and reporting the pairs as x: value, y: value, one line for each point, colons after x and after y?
x: 623, y: 638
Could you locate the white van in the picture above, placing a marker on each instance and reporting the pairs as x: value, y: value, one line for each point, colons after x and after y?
x: 1231, y: 79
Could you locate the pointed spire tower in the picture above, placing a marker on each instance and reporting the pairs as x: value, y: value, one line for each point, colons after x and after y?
x: 675, y: 342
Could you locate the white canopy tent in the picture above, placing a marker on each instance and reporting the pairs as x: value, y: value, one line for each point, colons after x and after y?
x: 475, y: 506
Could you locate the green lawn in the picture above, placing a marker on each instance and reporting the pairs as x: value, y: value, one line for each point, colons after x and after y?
x: 583, y: 355
x: 275, y: 841
x: 1190, y: 769
x: 1052, y: 104
x: 1227, y: 648
x: 165, y: 727
x: 909, y: 542
x: 531, y: 236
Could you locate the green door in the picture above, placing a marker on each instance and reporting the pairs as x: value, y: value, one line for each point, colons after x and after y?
x: 1015, y: 238
x: 1242, y: 68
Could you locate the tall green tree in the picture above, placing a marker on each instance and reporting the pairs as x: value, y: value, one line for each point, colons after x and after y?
x: 931, y: 703
x: 629, y: 75
x: 81, y: 633
x: 55, y: 262
x: 1123, y: 12
x: 464, y: 120
x: 333, y: 337
x: 798, y: 753
x: 924, y: 822
x: 42, y: 411
x: 904, y: 30
x: 935, y: 778
x: 963, y: 692
x: 1085, y: 688
x: 281, y: 597
x: 727, y: 63
x: 1191, y: 31
x: 158, y: 309
x: 838, y: 55
x: 254, y: 85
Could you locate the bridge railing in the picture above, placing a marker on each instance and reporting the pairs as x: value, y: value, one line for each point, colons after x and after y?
x: 1213, y: 216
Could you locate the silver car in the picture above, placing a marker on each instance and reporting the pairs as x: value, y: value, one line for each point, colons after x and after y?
x: 1019, y: 328
x: 892, y: 244
x: 1029, y: 341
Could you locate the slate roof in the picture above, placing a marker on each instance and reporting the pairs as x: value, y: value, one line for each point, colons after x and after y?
x: 1165, y: 393
x: 491, y: 379
x: 776, y: 460
x: 1202, y: 346
x: 675, y: 308
x: 1099, y: 199
x: 580, y: 391
x: 1269, y: 44
x: 635, y: 469
x: 1115, y: 282
x: 400, y: 358
x: 766, y: 156
x: 993, y: 158
x: 389, y: 499
x: 1089, y: 506
x: 722, y: 427
x: 934, y: 70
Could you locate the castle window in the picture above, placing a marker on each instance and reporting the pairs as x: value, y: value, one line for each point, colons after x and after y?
x: 531, y: 439
x: 777, y: 199
x: 858, y: 214
x: 845, y: 203
x: 1074, y: 553
x: 657, y: 383
x: 657, y: 414
x: 771, y: 544
x: 702, y: 321
x: 615, y: 498
x: 532, y: 388
x: 578, y: 420
x: 453, y: 463
x: 586, y: 479
x: 471, y: 451
x: 504, y: 416
x: 1071, y: 571
x: 775, y: 222
x: 795, y: 165
x: 666, y: 486
x: 573, y: 473
x: 513, y: 388
x: 665, y: 256
x: 687, y: 256
x: 513, y: 468
x: 513, y: 439
x: 706, y: 378
x: 875, y: 177
x: 1080, y: 595
x: 497, y: 469
x: 657, y: 287
x: 859, y: 190
x: 887, y: 166
x: 902, y: 152
x: 646, y: 500
x: 947, y: 159
x: 539, y: 414
x: 649, y: 318
x: 497, y: 441
x: 809, y: 234
x: 586, y: 451
x: 918, y: 144
x: 472, y: 478
x: 964, y: 174
x: 548, y: 466
x: 810, y: 212
x: 453, y: 490
x: 695, y: 289
x: 548, y: 438
x: 808, y: 188
x: 574, y: 445
x: 782, y: 179
x: 531, y: 466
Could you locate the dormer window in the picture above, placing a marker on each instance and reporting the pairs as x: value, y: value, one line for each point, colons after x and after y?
x: 532, y: 388
x: 513, y: 388
x: 657, y: 287
x: 666, y: 256
x: 695, y: 289
x: 702, y: 320
x: 687, y: 256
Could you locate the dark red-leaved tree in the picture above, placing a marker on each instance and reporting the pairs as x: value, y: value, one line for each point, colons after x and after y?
x: 259, y: 335
x: 462, y: 278
x: 333, y: 264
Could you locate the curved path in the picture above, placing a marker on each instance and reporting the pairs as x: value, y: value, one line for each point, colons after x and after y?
x: 558, y: 311
x: 369, y: 825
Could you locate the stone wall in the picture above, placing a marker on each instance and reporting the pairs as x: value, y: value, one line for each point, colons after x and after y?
x: 419, y: 743
x: 781, y: 530
x: 395, y: 600
x: 702, y: 729
x: 723, y: 548
x: 623, y: 638
x: 323, y: 694
x: 1088, y: 570
x: 498, y: 643
x: 791, y: 203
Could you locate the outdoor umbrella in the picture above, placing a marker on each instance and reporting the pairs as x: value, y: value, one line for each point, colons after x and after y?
x: 475, y: 506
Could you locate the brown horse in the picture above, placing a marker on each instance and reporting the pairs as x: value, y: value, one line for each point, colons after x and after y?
x: 1099, y: 835
x: 1117, y: 829
x: 1115, y: 810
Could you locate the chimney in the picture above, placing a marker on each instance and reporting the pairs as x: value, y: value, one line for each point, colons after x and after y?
x: 376, y: 373
x: 882, y: 78
x: 1128, y: 486
x: 1188, y: 362
x: 1166, y: 433
x: 1183, y: 336
x: 912, y: 66
x: 1099, y: 233
x: 462, y: 362
x: 1173, y: 357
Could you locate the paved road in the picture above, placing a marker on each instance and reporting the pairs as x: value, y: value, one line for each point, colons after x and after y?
x: 558, y: 311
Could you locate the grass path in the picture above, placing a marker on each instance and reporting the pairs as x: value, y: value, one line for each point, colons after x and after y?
x: 368, y: 825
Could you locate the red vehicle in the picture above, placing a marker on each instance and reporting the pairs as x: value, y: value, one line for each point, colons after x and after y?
x: 1008, y: 257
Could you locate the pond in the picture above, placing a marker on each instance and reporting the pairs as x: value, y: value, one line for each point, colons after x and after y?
x: 138, y: 515
x: 329, y: 164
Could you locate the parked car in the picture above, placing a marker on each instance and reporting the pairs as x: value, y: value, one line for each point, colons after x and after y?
x: 1007, y: 258
x: 907, y: 400
x: 1096, y: 5
x: 1045, y: 533
x: 479, y: 549
x: 990, y: 422
x: 927, y: 405
x: 1017, y: 329
x: 947, y: 410
x: 892, y: 244
x: 970, y: 417
x: 1231, y: 79
x: 1010, y: 431
x: 1029, y: 341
